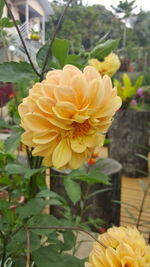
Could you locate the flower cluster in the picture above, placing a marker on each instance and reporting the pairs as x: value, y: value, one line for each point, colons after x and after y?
x: 67, y: 115
x: 109, y: 66
x: 125, y: 247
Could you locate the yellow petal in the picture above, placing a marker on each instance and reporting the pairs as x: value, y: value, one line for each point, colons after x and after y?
x: 47, y: 161
x: 26, y: 139
x: 64, y: 110
x: 94, y: 140
x: 112, y: 257
x: 109, y: 110
x: 91, y: 73
x: 36, y: 122
x: 78, y: 145
x: 45, y: 150
x: 62, y: 154
x: 124, y: 250
x: 64, y: 93
x: 23, y: 109
x: 77, y: 160
x: 48, y: 90
x: 45, y: 104
x: 79, y: 85
x: 45, y: 138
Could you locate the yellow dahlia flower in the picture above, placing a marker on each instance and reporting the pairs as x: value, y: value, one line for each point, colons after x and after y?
x: 125, y: 247
x: 67, y: 115
x: 109, y: 66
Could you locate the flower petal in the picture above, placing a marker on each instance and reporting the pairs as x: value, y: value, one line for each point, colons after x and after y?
x: 78, y: 145
x: 62, y: 154
x: 36, y: 122
x: 77, y: 160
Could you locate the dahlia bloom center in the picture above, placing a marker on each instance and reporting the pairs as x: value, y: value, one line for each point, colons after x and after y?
x: 80, y: 129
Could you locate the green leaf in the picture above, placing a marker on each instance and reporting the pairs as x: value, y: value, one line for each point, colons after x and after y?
x: 51, y: 194
x: 13, y: 142
x: 99, y: 192
x: 21, y: 238
x: 73, y: 190
x: 15, y: 169
x: 69, y: 240
x: 32, y: 207
x: 41, y: 54
x: 103, y: 50
x: 60, y: 49
x: 95, y: 176
x: 4, y: 124
x: 7, y: 23
x: 15, y: 72
x: 48, y: 257
x: 43, y: 220
x: 1, y: 7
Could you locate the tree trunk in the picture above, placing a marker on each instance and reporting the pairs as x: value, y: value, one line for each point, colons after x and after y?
x: 129, y: 136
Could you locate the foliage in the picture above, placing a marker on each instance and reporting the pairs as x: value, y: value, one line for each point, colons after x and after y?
x: 127, y: 90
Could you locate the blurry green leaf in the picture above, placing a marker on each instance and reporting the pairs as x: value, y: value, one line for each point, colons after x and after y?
x: 143, y: 157
x: 14, y: 169
x: 99, y: 192
x: 48, y: 257
x: 7, y: 23
x: 60, y: 49
x: 32, y: 207
x: 94, y: 176
x: 21, y: 238
x: 143, y: 185
x: 69, y: 240
x: 4, y: 124
x: 73, y: 190
x: 13, y: 142
x: 41, y: 54
x: 15, y: 72
x: 43, y: 221
x: 19, y: 262
x: 125, y: 204
x: 104, y: 49
x: 130, y: 214
x: 1, y: 7
x: 51, y: 194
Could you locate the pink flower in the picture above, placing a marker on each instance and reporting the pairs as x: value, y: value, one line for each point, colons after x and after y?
x: 133, y: 102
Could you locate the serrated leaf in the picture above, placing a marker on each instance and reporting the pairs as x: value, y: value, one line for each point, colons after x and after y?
x: 104, y: 49
x: 15, y: 72
x: 32, y: 207
x: 73, y: 190
x: 60, y: 49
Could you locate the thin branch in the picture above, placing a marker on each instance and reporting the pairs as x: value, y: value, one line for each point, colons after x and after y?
x: 53, y: 37
x: 21, y: 38
x: 70, y: 228
x: 28, y: 248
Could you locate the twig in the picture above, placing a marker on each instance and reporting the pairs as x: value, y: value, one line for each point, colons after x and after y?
x: 21, y: 38
x: 70, y: 228
x: 53, y: 38
x: 28, y: 248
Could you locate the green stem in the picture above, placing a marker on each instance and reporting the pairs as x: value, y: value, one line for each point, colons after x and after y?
x: 4, y: 253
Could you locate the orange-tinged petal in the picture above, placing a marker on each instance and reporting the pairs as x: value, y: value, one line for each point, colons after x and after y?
x: 36, y: 122
x: 23, y: 109
x: 48, y: 90
x: 47, y: 161
x: 79, y: 85
x: 109, y: 110
x: 123, y: 250
x: 94, y: 140
x: 62, y: 154
x: 95, y: 94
